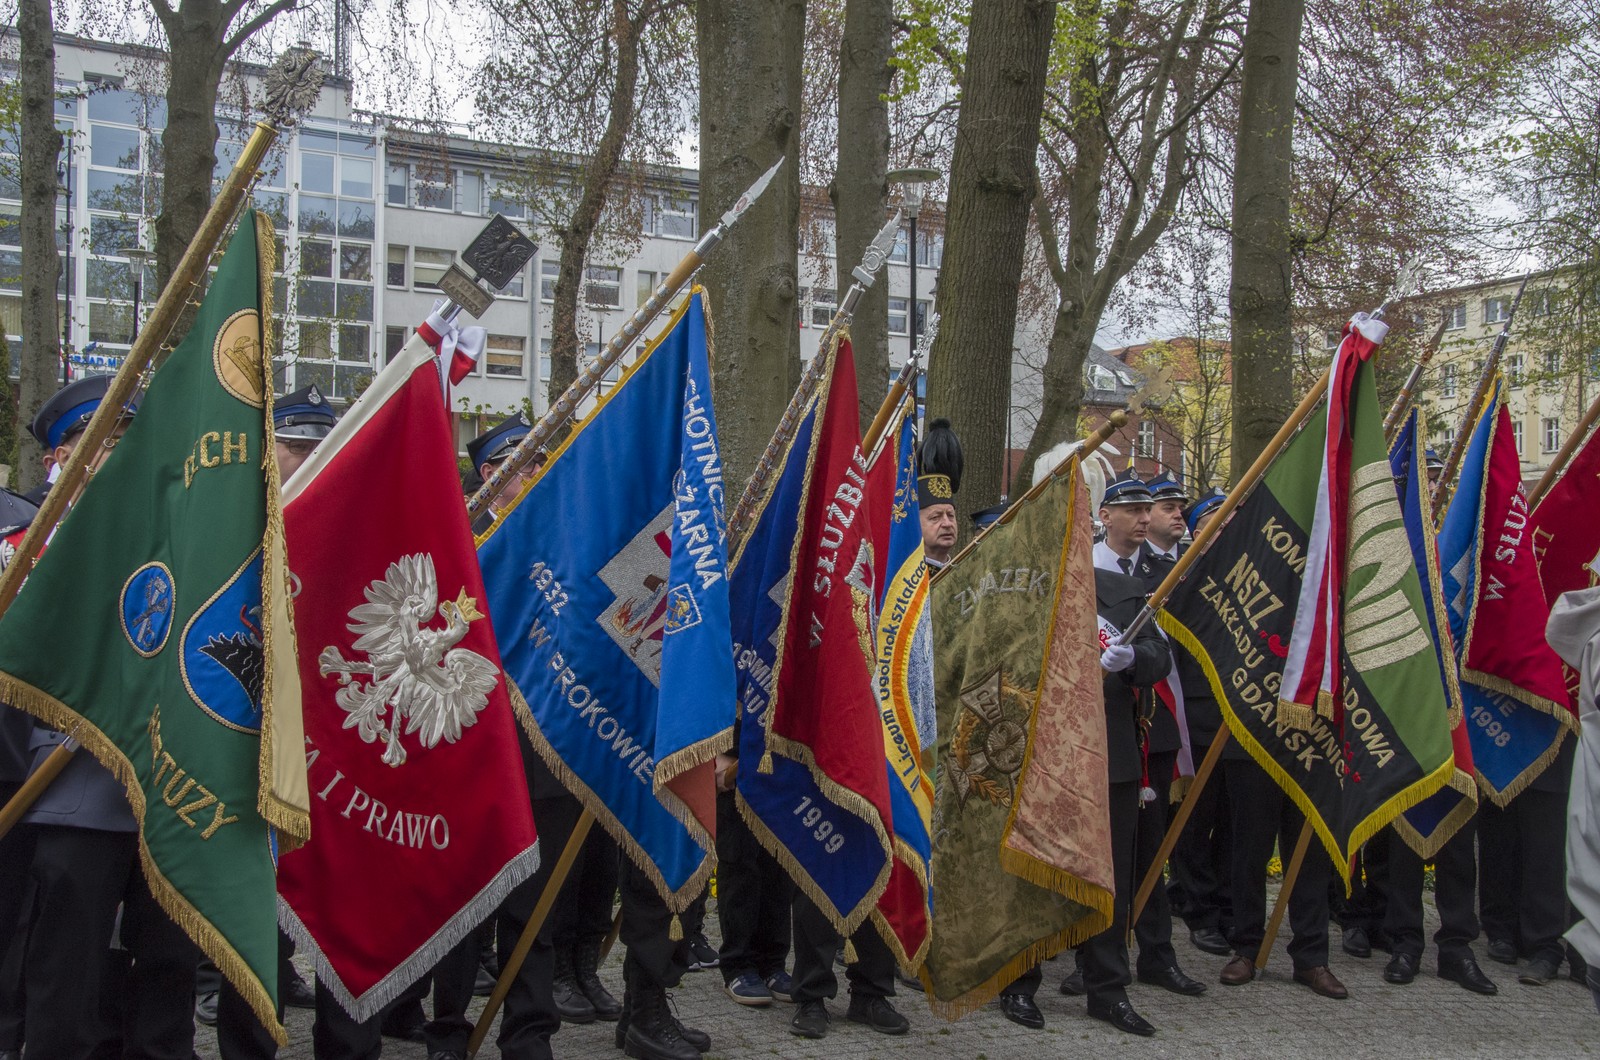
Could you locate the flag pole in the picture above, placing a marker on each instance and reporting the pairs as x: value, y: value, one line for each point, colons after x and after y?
x: 897, y: 393
x: 620, y: 343
x: 292, y: 87
x: 1458, y: 448
x: 1402, y: 401
x: 1570, y: 446
x: 530, y: 930
x: 1114, y: 423
x: 872, y: 262
x: 1291, y: 873
x: 292, y: 79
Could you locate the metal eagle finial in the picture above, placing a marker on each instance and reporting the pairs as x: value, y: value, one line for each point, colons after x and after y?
x: 293, y: 84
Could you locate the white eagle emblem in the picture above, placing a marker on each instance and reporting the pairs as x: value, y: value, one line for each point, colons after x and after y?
x: 417, y: 670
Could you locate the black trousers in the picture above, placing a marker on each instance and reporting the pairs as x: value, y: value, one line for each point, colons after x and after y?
x: 871, y: 974
x: 1201, y: 891
x: 1262, y: 815
x: 1104, y: 957
x: 653, y: 957
x: 1522, y: 895
x: 1367, y: 904
x: 754, y: 896
x: 1455, y: 878
x: 240, y: 1036
x: 453, y: 979
x: 585, y: 906
x: 16, y: 860
x: 529, y: 1018
x: 79, y: 876
x: 1153, y: 931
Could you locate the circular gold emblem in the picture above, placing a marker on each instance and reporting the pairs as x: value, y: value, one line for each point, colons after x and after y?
x: 237, y: 357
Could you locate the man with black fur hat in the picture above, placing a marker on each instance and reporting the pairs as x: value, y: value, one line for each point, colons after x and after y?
x: 939, y: 464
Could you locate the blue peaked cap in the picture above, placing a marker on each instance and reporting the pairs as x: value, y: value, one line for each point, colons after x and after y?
x: 71, y: 409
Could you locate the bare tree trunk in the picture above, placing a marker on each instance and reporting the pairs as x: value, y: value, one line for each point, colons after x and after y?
x: 1263, y: 172
x: 991, y: 185
x: 750, y: 78
x: 597, y: 177
x: 41, y: 268
x: 859, y: 190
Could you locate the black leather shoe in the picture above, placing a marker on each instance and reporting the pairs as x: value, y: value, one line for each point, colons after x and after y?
x: 1356, y: 943
x: 1174, y: 980
x: 810, y: 1020
x: 297, y: 994
x: 1402, y: 969
x: 1467, y: 973
x: 1120, y: 1015
x: 571, y: 1005
x: 447, y: 1054
x: 1073, y: 986
x: 1020, y: 1009
x: 1502, y: 951
x: 876, y: 1012
x: 1210, y: 940
x: 10, y: 1054
x: 1539, y: 972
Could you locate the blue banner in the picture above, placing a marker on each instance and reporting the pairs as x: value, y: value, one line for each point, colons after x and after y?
x: 785, y: 807
x: 609, y: 589
x: 1511, y: 742
x: 1429, y: 824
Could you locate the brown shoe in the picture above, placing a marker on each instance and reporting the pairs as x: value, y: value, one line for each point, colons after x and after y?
x: 1238, y: 971
x: 1322, y: 981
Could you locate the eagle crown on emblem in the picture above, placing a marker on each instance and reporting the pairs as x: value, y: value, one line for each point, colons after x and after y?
x: 418, y: 674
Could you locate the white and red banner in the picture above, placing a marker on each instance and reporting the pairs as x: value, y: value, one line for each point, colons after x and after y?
x: 420, y: 810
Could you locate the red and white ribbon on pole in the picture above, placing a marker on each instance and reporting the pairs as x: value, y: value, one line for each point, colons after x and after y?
x: 458, y: 348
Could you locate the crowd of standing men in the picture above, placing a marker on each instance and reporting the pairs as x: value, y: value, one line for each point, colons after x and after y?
x: 91, y: 966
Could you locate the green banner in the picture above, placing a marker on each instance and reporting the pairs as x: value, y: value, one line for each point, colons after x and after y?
x: 155, y: 629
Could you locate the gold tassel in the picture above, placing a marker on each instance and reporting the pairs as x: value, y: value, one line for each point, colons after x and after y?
x: 766, y: 763
x: 849, y: 952
x: 675, y: 932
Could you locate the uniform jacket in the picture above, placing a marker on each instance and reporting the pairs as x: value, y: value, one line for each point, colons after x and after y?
x: 1119, y: 598
x: 1574, y: 632
x: 84, y: 795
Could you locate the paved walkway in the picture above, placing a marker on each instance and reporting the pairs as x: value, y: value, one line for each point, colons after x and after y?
x: 1273, y: 1017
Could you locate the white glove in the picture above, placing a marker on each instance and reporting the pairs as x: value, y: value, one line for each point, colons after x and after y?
x: 1116, y: 658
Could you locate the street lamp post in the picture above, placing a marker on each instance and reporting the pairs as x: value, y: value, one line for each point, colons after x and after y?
x: 64, y: 175
x: 140, y: 258
x: 913, y: 178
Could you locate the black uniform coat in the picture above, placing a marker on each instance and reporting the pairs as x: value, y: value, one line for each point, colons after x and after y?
x: 1119, y: 598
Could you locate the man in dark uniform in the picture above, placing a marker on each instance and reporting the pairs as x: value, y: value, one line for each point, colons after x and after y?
x: 1200, y: 892
x: 16, y: 847
x: 299, y: 422
x: 1127, y: 669
x: 86, y: 864
x: 491, y: 449
x: 1128, y: 513
x: 1455, y: 888
x: 1522, y: 871
x: 754, y: 896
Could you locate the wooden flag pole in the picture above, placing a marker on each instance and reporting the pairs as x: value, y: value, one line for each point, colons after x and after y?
x: 1169, y: 584
x: 1402, y: 401
x: 872, y: 261
x: 1569, y: 447
x: 1441, y: 494
x: 1291, y: 873
x: 588, y: 379
x: 292, y: 86
x: 530, y: 930
x: 880, y: 422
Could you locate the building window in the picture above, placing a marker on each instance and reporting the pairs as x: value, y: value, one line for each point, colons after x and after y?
x: 1100, y: 378
x: 1331, y: 339
x: 396, y: 274
x: 428, y: 267
x: 1147, y: 438
x: 924, y: 307
x: 1516, y: 433
x: 469, y: 197
x: 602, y: 286
x: 1496, y: 310
x: 394, y: 340
x: 1514, y: 366
x: 434, y: 189
x: 355, y: 261
x: 395, y: 189
x: 316, y: 258
x: 823, y: 304
x: 501, y: 201
x: 897, y: 316
x: 646, y: 284
x: 1541, y: 302
x: 1552, y: 364
x: 355, y: 343
x: 1455, y: 317
x: 504, y: 355
x: 901, y: 252
x: 1449, y: 440
x: 1447, y: 381
x: 675, y: 217
x: 548, y: 272
x: 1550, y: 434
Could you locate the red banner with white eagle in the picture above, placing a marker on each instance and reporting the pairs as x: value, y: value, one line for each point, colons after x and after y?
x: 420, y: 811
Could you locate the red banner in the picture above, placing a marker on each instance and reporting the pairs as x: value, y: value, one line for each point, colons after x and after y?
x: 421, y: 821
x: 1505, y: 650
x: 1566, y: 533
